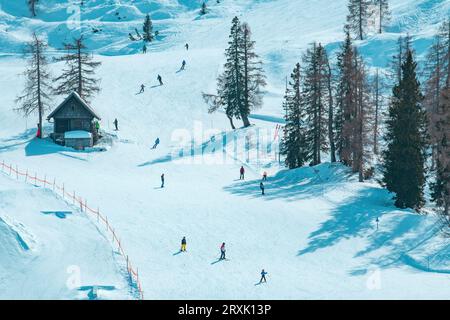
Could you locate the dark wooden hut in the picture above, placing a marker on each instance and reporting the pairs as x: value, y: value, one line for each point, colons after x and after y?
x: 74, y: 119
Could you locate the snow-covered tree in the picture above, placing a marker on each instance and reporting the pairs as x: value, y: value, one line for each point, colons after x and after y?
x: 79, y: 71
x: 37, y: 92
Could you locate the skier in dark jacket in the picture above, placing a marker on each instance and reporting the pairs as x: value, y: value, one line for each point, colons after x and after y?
x: 183, y: 244
x: 183, y: 65
x: 142, y: 89
x: 186, y: 46
x: 222, y: 251
x: 263, y: 276
x: 242, y: 173
x: 160, y: 80
x: 162, y: 181
x: 261, y: 186
x: 116, y: 124
x: 156, y: 143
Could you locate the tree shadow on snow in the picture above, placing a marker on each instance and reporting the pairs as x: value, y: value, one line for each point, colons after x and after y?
x: 293, y: 185
x: 401, y: 233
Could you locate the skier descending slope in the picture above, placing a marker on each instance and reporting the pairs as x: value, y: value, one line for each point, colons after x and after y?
x: 261, y: 186
x: 116, y: 124
x: 162, y: 181
x: 222, y: 251
x: 264, y: 176
x: 160, y: 80
x: 263, y: 276
x: 183, y: 244
x: 183, y: 65
x: 142, y: 89
x: 242, y: 173
x: 186, y: 46
x: 156, y: 143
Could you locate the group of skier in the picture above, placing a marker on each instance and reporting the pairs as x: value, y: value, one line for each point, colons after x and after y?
x: 159, y: 78
x: 261, y: 185
x: 222, y: 256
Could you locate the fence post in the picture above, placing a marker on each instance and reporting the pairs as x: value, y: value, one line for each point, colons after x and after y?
x: 26, y: 176
x: 63, y: 191
x: 10, y: 168
x: 98, y: 214
x: 35, y: 178
x: 45, y: 180
x: 17, y: 172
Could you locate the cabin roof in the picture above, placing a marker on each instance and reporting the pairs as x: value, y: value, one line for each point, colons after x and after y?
x: 80, y: 100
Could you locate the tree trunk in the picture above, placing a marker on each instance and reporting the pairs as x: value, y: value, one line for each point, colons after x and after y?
x: 231, y: 122
x: 330, y: 117
x: 38, y: 66
x: 80, y: 69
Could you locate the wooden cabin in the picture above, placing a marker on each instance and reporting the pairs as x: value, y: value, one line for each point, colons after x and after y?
x: 74, y: 123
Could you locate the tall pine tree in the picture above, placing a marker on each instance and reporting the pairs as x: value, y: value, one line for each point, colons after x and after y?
x: 36, y: 95
x: 79, y: 72
x: 383, y: 13
x: 315, y: 92
x: 239, y: 87
x: 293, y: 145
x: 358, y: 16
x: 438, y: 107
x: 404, y: 159
x: 147, y: 28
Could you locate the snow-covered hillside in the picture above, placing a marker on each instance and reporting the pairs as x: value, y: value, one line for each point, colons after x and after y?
x: 315, y: 230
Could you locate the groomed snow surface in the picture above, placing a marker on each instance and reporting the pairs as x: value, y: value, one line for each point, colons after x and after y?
x: 314, y: 231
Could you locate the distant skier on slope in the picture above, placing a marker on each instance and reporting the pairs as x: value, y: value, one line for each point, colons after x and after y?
x: 186, y: 46
x: 261, y: 186
x: 183, y: 65
x: 162, y: 181
x: 144, y: 49
x: 160, y: 80
x: 116, y: 124
x: 264, y: 176
x: 222, y: 251
x: 183, y: 244
x: 156, y: 143
x: 242, y: 173
x: 263, y: 276
x: 142, y: 89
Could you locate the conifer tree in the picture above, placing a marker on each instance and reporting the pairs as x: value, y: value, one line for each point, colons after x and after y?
x: 437, y: 98
x: 358, y: 16
x: 404, y: 158
x: 239, y: 88
x: 79, y: 72
x: 147, y: 29
x: 32, y: 6
x: 36, y: 95
x: 383, y: 13
x: 315, y: 92
x: 294, y: 143
x: 346, y: 97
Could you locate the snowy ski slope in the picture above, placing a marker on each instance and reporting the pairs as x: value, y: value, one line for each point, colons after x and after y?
x: 314, y: 232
